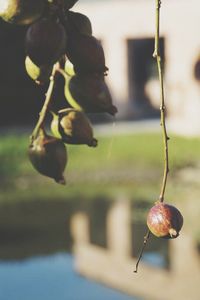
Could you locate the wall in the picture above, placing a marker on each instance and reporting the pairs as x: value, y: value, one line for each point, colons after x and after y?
x: 116, y: 21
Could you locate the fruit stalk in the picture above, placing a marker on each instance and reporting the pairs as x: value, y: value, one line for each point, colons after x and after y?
x: 47, y: 101
x: 146, y: 237
x: 157, y: 56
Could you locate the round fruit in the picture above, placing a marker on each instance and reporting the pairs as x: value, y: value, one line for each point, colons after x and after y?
x: 164, y: 220
x: 73, y: 127
x: 86, y: 54
x: 45, y: 42
x: 78, y: 23
x: 90, y: 93
x: 21, y: 12
x: 40, y: 74
x: 48, y: 156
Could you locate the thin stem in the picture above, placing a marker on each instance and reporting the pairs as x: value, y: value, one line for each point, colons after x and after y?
x: 47, y: 101
x: 157, y: 31
x: 165, y: 137
x: 146, y: 237
x: 157, y: 56
x: 63, y: 73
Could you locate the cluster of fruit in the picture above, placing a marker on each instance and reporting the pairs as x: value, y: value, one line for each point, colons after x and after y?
x: 60, y: 42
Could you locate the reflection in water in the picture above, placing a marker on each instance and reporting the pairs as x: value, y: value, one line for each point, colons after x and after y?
x: 50, y: 278
x: 32, y: 232
x: 154, y: 259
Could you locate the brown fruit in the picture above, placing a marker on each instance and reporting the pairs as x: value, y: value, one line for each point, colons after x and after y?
x: 21, y: 12
x: 48, y: 156
x: 91, y: 93
x: 73, y: 127
x: 45, y: 41
x: 86, y: 54
x: 164, y: 220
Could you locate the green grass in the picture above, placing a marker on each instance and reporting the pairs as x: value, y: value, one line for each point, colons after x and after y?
x: 129, y: 165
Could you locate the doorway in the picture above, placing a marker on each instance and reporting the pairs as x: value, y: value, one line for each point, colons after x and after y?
x: 144, y: 92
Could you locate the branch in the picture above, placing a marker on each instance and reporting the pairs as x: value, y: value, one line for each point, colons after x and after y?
x: 47, y: 101
x: 146, y: 237
x: 157, y: 56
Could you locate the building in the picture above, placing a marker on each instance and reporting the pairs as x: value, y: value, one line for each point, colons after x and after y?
x: 126, y: 29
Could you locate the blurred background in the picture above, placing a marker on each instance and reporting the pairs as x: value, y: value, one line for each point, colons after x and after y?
x: 81, y: 241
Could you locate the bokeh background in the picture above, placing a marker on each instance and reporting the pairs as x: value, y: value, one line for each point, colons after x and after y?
x: 81, y: 241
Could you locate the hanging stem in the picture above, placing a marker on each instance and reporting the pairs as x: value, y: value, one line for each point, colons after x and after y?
x: 146, y: 237
x: 47, y: 101
x: 156, y: 55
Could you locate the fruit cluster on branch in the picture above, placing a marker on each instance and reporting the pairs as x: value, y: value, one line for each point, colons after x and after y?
x: 59, y: 42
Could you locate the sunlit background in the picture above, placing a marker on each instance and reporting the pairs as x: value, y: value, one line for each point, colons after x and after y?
x: 81, y: 241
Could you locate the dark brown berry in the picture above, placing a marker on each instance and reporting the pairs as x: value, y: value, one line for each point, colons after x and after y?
x: 86, y: 54
x: 164, y: 220
x: 45, y: 41
x: 48, y: 156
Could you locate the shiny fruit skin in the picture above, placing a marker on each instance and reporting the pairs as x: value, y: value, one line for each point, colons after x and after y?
x: 48, y: 156
x: 45, y: 42
x: 21, y: 12
x: 164, y: 220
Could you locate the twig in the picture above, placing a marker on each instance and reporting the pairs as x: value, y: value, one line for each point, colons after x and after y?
x: 146, y: 237
x: 157, y: 56
x: 47, y: 101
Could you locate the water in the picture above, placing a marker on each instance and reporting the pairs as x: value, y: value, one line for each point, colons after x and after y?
x: 50, y: 278
x: 155, y: 259
x: 30, y: 231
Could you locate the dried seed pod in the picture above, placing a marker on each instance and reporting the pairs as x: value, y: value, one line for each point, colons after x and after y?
x: 21, y: 12
x: 48, y: 156
x: 40, y: 74
x: 91, y: 93
x: 86, y: 54
x: 45, y: 42
x: 73, y: 127
x: 78, y: 23
x: 164, y: 220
